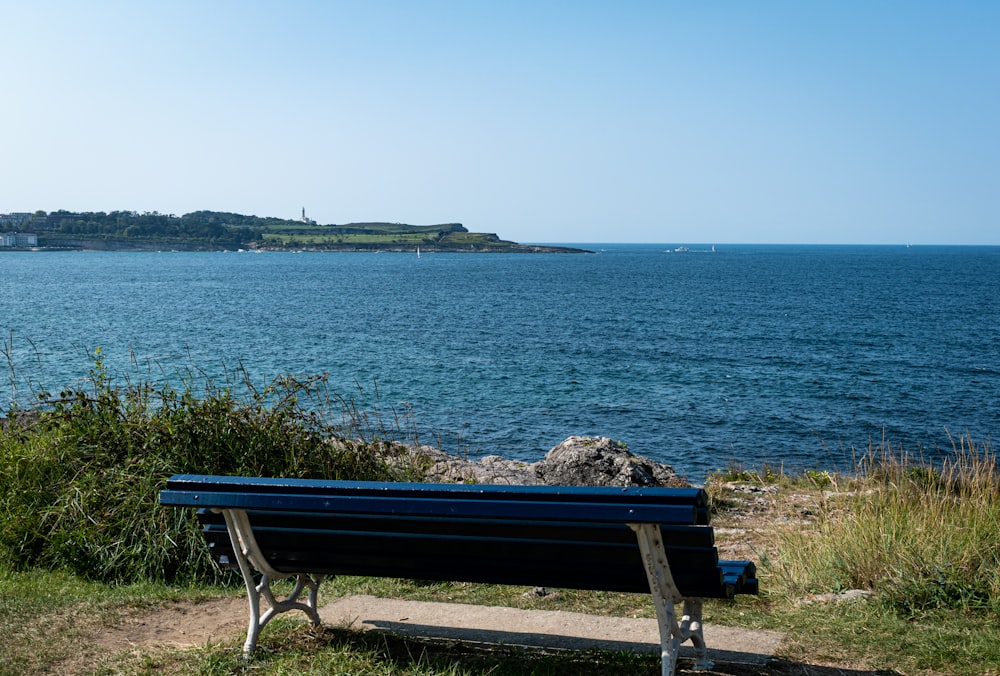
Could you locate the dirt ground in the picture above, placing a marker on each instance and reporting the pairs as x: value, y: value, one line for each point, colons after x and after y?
x: 177, y: 625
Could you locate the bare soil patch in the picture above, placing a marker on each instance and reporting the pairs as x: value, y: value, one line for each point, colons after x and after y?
x: 177, y: 625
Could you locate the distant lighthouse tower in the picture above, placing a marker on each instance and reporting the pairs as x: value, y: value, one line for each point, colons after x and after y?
x: 304, y: 219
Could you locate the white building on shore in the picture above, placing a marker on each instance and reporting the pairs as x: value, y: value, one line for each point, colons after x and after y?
x: 18, y: 239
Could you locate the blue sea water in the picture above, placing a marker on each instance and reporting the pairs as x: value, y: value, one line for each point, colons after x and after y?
x: 786, y: 355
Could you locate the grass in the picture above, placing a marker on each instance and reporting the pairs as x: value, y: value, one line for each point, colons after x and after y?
x: 859, y: 637
x: 48, y: 618
x: 920, y: 536
x: 84, y: 545
x: 921, y: 539
x: 319, y: 238
x: 334, y: 650
x: 340, y: 239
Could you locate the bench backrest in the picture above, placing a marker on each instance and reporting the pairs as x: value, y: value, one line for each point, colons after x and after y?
x: 686, y: 506
x: 572, y: 537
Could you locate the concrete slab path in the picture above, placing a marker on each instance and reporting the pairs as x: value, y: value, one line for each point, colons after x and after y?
x: 537, y: 628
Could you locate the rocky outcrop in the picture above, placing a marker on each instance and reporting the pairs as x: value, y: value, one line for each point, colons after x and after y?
x: 577, y: 461
x: 599, y: 461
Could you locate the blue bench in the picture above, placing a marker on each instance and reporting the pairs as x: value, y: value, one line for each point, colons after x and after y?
x: 645, y: 540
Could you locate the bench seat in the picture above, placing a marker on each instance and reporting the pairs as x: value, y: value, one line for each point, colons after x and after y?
x: 641, y: 540
x: 604, y: 557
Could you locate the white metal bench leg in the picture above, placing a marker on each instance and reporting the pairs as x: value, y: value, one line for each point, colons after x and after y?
x: 665, y: 596
x: 691, y: 628
x: 249, y: 558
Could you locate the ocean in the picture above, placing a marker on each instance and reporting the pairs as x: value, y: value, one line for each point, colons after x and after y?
x: 783, y: 355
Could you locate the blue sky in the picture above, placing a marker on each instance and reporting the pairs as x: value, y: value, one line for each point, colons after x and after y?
x: 674, y: 122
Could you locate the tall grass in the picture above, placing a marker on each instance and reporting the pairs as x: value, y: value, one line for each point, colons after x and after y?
x: 81, y: 472
x: 919, y: 534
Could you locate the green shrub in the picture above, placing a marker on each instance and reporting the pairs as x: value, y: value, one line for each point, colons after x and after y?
x: 82, y: 474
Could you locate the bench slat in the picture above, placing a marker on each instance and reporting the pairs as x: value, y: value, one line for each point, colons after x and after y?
x: 743, y: 574
x: 189, y: 486
x: 676, y: 535
x: 219, y: 483
x: 434, y: 507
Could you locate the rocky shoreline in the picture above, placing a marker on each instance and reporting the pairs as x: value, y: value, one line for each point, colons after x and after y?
x: 577, y: 461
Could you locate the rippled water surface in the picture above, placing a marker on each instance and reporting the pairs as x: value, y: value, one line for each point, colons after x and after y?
x: 778, y: 354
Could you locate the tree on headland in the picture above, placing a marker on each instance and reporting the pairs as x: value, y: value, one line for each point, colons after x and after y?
x: 137, y: 227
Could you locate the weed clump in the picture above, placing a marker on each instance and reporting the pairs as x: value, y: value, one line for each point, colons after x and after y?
x: 921, y: 535
x: 81, y: 472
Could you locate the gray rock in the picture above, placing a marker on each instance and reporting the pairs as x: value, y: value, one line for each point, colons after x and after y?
x: 577, y: 461
x: 600, y: 461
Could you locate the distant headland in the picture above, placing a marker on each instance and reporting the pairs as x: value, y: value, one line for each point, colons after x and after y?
x: 217, y: 230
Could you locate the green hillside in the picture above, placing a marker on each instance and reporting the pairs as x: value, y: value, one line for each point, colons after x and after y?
x: 215, y: 230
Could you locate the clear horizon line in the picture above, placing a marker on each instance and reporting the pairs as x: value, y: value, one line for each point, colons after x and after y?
x: 718, y: 244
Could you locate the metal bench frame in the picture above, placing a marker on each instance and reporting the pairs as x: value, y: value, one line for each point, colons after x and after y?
x: 250, y: 558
